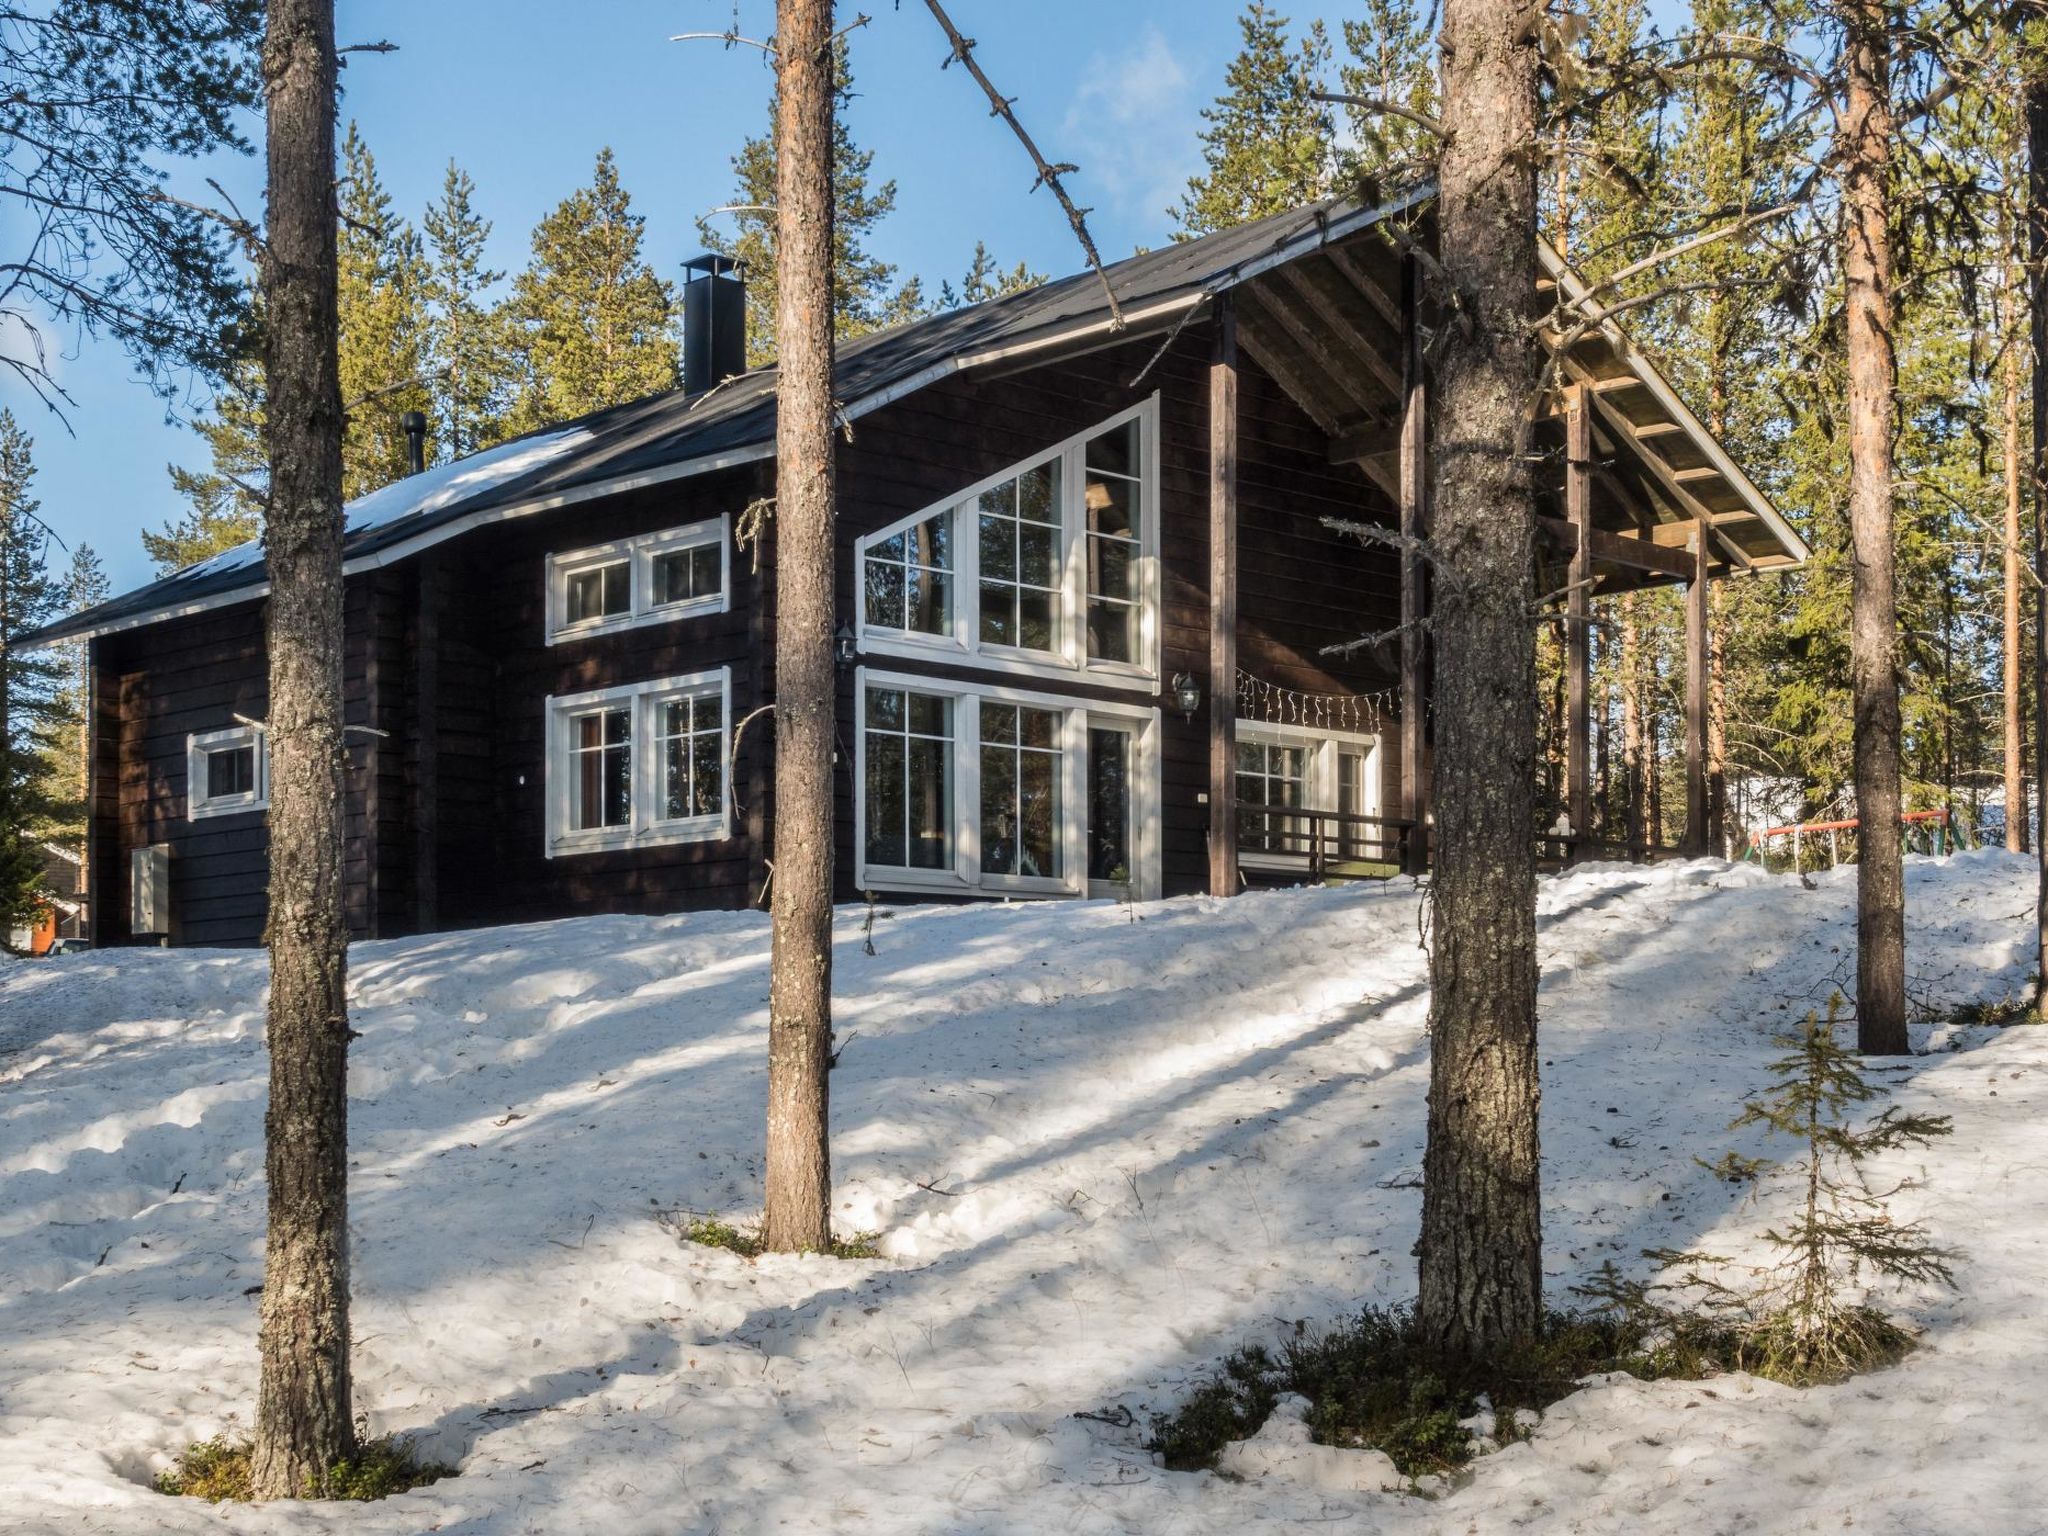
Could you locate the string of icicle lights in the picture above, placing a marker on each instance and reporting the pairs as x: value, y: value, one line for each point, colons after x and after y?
x: 1271, y: 704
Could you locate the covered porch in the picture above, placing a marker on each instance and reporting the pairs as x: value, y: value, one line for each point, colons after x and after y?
x: 1634, y: 494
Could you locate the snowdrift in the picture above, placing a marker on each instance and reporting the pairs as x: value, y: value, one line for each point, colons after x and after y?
x: 1102, y: 1147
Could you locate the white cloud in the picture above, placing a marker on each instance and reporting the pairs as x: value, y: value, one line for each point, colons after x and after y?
x: 1133, y: 128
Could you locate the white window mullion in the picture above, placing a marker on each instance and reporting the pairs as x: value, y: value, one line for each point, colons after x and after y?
x: 1074, y: 579
x: 646, y: 748
x: 967, y: 776
x: 1074, y: 797
x: 967, y: 563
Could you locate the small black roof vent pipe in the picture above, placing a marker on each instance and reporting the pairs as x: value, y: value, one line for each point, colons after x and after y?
x: 415, y: 424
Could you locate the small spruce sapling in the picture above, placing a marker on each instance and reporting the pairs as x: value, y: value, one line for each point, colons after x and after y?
x: 1799, y: 1325
x: 1842, y: 1227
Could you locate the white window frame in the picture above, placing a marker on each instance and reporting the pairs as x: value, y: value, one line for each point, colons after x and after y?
x: 1319, y: 777
x: 644, y: 827
x: 1069, y: 660
x: 198, y: 804
x: 966, y: 876
x: 638, y: 554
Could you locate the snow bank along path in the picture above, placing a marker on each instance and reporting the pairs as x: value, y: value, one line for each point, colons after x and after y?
x: 1102, y: 1151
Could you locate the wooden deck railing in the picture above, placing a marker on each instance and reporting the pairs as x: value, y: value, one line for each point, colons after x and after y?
x: 1331, y: 842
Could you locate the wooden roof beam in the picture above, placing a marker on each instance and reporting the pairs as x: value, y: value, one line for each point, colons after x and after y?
x: 1666, y: 478
x: 1618, y: 549
x: 1283, y: 372
x: 1355, y: 274
x: 1260, y: 302
x: 1331, y: 314
x: 1372, y: 440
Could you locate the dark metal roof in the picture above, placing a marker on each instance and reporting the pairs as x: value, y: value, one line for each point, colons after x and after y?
x: 670, y: 436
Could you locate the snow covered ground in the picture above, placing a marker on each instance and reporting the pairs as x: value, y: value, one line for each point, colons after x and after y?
x: 1102, y: 1152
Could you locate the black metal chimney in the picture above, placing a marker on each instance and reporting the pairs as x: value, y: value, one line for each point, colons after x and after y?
x: 415, y: 424
x: 714, y: 322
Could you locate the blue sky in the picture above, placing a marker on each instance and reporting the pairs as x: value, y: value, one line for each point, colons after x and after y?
x: 523, y: 93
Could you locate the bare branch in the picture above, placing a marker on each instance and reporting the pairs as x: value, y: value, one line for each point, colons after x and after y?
x: 1381, y: 105
x: 1685, y: 248
x: 416, y: 381
x: 730, y: 37
x: 1048, y: 173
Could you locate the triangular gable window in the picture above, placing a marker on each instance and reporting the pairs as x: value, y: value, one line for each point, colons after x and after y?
x: 1048, y: 567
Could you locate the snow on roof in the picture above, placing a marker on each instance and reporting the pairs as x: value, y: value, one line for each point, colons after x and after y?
x: 672, y: 435
x: 420, y: 495
x: 442, y: 486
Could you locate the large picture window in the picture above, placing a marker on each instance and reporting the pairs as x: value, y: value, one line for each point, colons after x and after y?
x: 227, y: 771
x: 1021, y: 830
x: 638, y: 765
x: 646, y: 580
x: 908, y: 738
x: 973, y: 787
x: 1021, y: 560
x: 907, y: 578
x: 1046, y: 569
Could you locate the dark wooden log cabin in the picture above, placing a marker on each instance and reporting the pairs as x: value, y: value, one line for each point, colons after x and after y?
x: 1089, y: 595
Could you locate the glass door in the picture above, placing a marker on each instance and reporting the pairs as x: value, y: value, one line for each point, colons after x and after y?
x: 1110, y: 843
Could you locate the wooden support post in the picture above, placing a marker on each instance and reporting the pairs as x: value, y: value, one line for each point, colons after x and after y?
x: 1578, y: 663
x: 1223, y: 603
x: 1697, y: 664
x: 1414, y: 471
x: 426, y: 746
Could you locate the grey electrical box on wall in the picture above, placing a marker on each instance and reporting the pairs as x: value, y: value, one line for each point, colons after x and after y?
x: 150, y: 889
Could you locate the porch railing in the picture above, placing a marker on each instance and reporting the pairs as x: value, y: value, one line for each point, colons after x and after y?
x: 1324, y: 843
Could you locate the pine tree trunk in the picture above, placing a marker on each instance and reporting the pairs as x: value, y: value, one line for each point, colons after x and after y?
x: 303, y: 1418
x: 1718, y: 839
x: 1481, y: 1273
x: 1634, y: 777
x: 2036, y: 74
x: 1652, y: 751
x: 2015, y: 729
x: 798, y: 1214
x: 1873, y: 626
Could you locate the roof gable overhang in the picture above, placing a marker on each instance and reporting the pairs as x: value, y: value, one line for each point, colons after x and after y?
x: 672, y: 437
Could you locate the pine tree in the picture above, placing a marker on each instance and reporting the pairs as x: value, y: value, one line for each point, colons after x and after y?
x: 224, y: 503
x: 590, y: 323
x: 382, y: 296
x: 864, y: 295
x: 797, y: 1212
x: 99, y: 97
x: 1268, y: 144
x: 1390, y: 56
x: 63, y: 742
x: 305, y: 1420
x: 465, y: 338
x: 987, y: 279
x: 1481, y: 1250
x: 29, y: 680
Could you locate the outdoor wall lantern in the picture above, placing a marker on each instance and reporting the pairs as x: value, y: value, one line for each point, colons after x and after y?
x: 843, y: 650
x: 1187, y: 694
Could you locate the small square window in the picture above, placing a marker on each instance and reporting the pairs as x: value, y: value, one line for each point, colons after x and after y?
x: 227, y: 771
x: 603, y: 592
x: 681, y: 575
x: 230, y: 771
